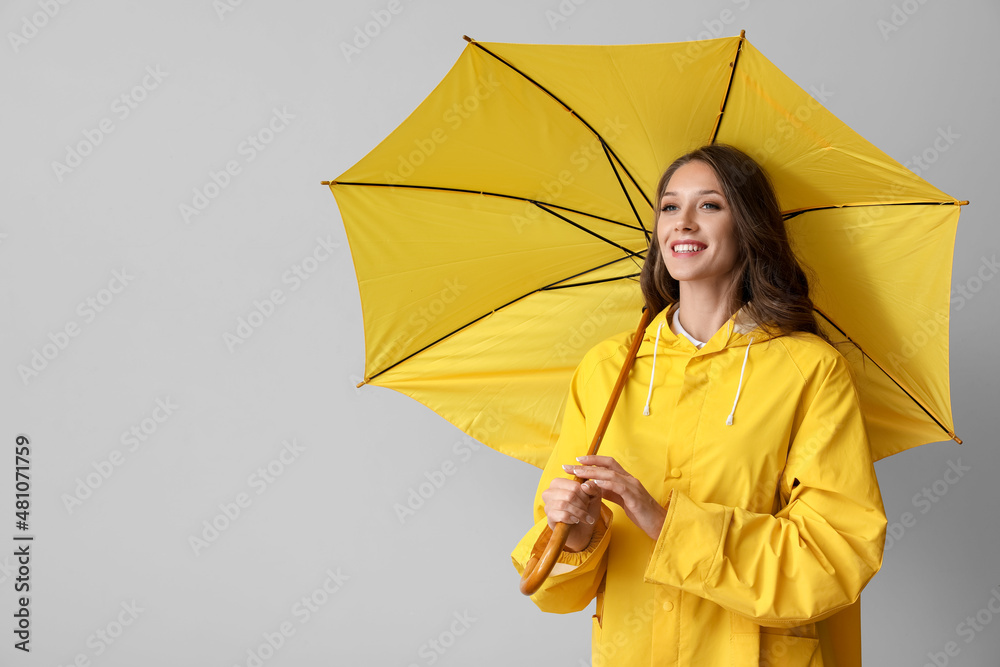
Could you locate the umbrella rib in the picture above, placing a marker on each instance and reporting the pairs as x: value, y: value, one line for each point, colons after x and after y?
x: 576, y: 115
x: 799, y: 211
x: 629, y: 253
x: 888, y: 375
x: 488, y: 194
x: 591, y: 282
x: 607, y: 154
x: 550, y: 286
x: 725, y: 100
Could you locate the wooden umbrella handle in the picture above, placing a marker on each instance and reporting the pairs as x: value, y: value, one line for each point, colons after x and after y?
x: 543, y: 559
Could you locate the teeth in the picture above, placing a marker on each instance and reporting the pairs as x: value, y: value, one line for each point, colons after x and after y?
x: 687, y: 247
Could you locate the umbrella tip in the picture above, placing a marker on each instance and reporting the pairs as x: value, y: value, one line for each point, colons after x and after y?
x: 964, y: 202
x: 359, y: 385
x: 743, y: 34
x: 467, y: 38
x: 328, y: 182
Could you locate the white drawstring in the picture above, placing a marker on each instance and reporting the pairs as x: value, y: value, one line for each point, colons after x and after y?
x: 652, y: 373
x: 729, y: 419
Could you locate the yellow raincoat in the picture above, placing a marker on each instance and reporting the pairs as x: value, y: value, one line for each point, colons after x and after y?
x: 774, y: 524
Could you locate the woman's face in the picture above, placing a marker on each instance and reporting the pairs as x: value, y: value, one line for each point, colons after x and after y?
x: 695, y: 227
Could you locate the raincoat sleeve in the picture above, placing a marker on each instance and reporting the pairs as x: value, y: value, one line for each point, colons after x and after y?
x: 576, y: 576
x: 812, y: 557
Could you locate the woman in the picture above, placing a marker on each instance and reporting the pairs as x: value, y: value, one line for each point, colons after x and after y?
x: 732, y: 515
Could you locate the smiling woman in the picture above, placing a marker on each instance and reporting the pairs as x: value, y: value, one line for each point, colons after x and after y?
x: 695, y: 235
x: 733, y: 516
x: 718, y: 194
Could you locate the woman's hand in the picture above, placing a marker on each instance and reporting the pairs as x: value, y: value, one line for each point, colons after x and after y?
x: 622, y: 489
x: 575, y: 503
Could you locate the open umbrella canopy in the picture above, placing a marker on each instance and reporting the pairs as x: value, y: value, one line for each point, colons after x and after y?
x: 499, y: 231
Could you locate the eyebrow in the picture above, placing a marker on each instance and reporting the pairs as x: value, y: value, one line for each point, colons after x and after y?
x: 700, y: 192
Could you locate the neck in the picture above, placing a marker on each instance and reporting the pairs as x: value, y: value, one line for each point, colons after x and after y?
x: 702, y: 309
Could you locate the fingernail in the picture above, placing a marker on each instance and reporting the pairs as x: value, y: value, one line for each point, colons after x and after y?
x: 590, y: 519
x: 579, y: 458
x: 567, y: 468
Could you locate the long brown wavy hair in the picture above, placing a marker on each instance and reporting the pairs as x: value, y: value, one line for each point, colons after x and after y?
x: 768, y: 281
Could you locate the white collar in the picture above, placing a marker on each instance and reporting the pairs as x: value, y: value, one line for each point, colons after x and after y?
x: 681, y: 331
x: 699, y: 344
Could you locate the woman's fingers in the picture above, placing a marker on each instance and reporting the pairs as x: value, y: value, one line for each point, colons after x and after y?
x: 583, y: 491
x: 561, y: 505
x: 603, y: 477
x: 569, y: 502
x: 623, y: 489
x: 602, y: 461
x: 590, y: 471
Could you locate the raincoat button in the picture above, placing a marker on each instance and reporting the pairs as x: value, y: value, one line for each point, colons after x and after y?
x: 668, y: 605
x: 676, y: 472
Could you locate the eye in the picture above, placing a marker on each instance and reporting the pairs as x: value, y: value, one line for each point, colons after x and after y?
x: 668, y: 207
x: 712, y: 205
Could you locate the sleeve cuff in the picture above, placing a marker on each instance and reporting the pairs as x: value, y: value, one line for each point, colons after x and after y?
x: 568, y: 561
x: 688, y: 546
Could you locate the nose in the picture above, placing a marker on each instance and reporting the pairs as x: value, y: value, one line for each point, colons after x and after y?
x: 685, y: 221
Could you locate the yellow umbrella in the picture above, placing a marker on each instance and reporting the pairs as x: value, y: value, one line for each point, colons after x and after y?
x: 498, y: 232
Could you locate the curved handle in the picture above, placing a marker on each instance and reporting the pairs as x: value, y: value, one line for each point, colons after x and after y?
x: 539, y: 566
x: 543, y: 559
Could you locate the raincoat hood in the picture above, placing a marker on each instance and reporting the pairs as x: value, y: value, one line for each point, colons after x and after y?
x: 739, y: 331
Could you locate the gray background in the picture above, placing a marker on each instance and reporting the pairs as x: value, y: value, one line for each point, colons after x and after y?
x: 331, y: 508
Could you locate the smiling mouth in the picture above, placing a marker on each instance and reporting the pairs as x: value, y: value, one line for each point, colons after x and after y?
x: 687, y: 248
